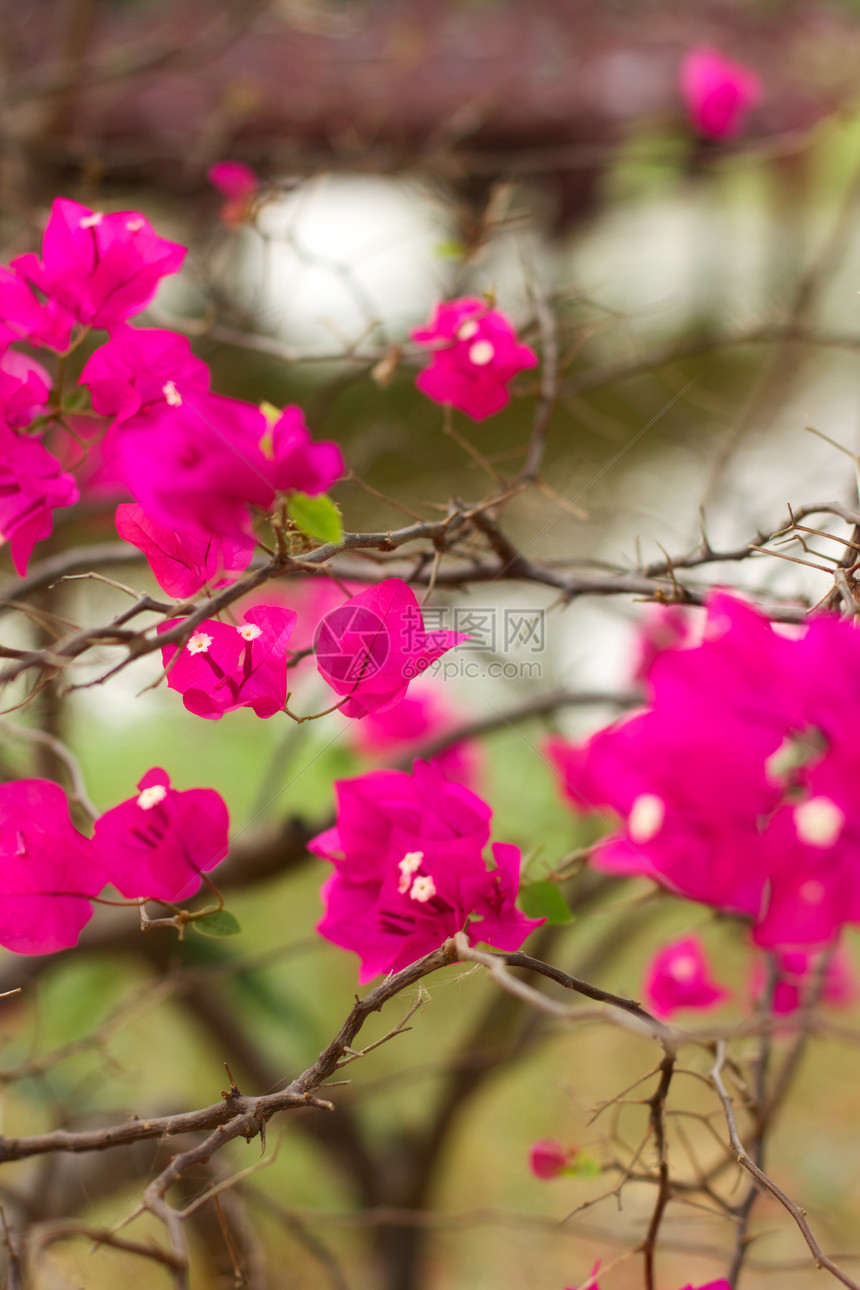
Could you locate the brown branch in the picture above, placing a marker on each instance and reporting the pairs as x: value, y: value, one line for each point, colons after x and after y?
x: 746, y: 1162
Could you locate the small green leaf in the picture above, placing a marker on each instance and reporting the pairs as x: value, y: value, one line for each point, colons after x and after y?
x: 543, y: 899
x: 452, y: 249
x: 318, y: 517
x: 583, y: 1166
x: 219, y: 923
x: 75, y: 400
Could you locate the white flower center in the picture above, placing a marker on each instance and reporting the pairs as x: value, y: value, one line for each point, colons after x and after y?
x: 422, y: 889
x: 482, y: 353
x: 249, y: 631
x: 407, y: 866
x: 467, y: 330
x: 646, y: 817
x: 171, y: 394
x: 134, y: 225
x: 683, y: 968
x: 812, y: 892
x: 818, y: 822
x: 151, y: 796
x: 91, y: 221
x: 199, y: 643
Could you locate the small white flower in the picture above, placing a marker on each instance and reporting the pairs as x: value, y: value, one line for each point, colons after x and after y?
x: 818, y: 821
x: 407, y: 866
x: 482, y: 353
x: 91, y: 221
x: 467, y: 330
x: 171, y: 394
x: 646, y: 817
x: 249, y: 631
x: 683, y: 968
x: 151, y: 796
x: 199, y: 643
x: 422, y: 889
x: 134, y: 225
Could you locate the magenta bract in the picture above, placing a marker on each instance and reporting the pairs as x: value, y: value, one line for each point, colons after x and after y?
x: 718, y: 92
x: 24, y: 389
x: 371, y: 647
x: 238, y: 183
x: 32, y: 485
x: 158, y: 843
x: 410, y: 871
x: 296, y: 463
x: 222, y: 667
x: 737, y: 786
x: 101, y: 268
x: 49, y: 871
x: 475, y: 356
x: 139, y: 368
x: 549, y: 1158
x: 23, y: 317
x: 183, y: 563
x: 678, y: 977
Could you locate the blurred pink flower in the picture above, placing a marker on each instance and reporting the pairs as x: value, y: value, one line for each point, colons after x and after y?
x: 718, y: 92
x: 48, y: 870
x: 222, y: 667
x: 415, y: 720
x: 156, y: 844
x: 796, y: 971
x: 371, y: 647
x: 32, y: 485
x: 663, y: 627
x: 678, y: 977
x: 183, y: 563
x: 238, y: 183
x: 475, y: 356
x: 549, y: 1158
x: 101, y: 268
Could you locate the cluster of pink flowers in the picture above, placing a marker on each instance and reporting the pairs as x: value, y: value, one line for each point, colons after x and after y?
x: 475, y: 357
x: 154, y: 846
x: 735, y: 787
x: 408, y: 852
x: 196, y: 463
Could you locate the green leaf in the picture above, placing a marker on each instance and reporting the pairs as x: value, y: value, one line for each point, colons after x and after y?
x: 75, y: 400
x: 219, y: 923
x: 543, y: 899
x: 318, y: 517
x: 583, y: 1166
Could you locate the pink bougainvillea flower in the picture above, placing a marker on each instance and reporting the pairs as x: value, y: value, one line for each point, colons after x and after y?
x: 24, y: 389
x: 796, y: 972
x: 410, y: 871
x: 183, y: 563
x: 32, y: 485
x: 157, y: 844
x: 664, y: 627
x: 371, y: 647
x: 23, y: 317
x: 475, y: 356
x: 139, y: 368
x: 196, y: 465
x: 238, y: 183
x: 199, y: 461
x: 549, y: 1158
x: 718, y: 92
x: 690, y: 796
x: 678, y: 977
x: 222, y: 667
x: 296, y: 463
x: 737, y: 786
x: 48, y: 870
x: 101, y: 268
